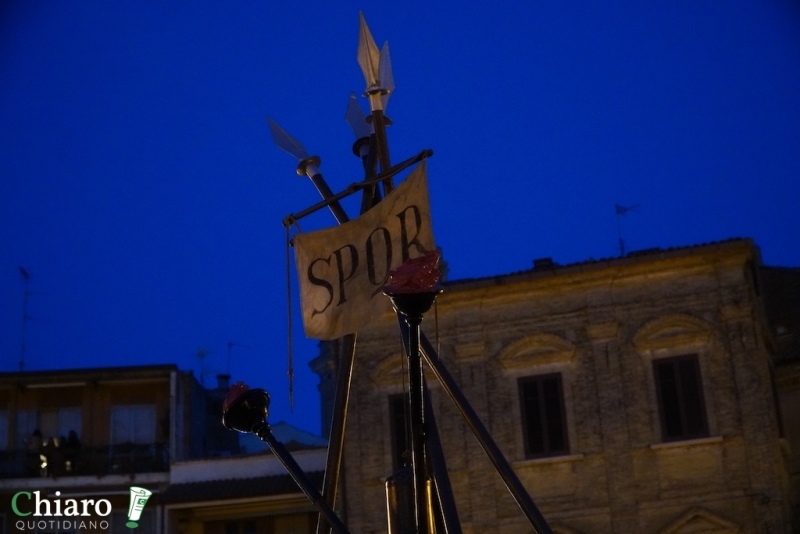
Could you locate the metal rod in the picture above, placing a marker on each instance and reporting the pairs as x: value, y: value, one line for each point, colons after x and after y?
x: 379, y: 123
x: 264, y: 432
x: 444, y: 491
x: 352, y: 188
x: 326, y: 193
x: 442, y: 486
x: 344, y: 375
x: 333, y: 460
x: 371, y: 194
x: 344, y: 370
x: 501, y: 465
x: 416, y: 396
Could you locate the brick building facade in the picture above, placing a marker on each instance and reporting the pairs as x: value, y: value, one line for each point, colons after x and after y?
x: 635, y: 395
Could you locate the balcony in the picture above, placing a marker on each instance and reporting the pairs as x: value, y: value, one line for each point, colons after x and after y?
x: 122, y: 459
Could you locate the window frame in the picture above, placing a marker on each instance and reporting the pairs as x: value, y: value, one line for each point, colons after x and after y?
x: 548, y: 450
x: 132, y: 413
x: 682, y: 393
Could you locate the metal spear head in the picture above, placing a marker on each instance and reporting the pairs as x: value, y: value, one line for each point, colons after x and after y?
x: 357, y: 119
x: 368, y: 54
x: 286, y: 142
x: 385, y: 74
x: 376, y: 65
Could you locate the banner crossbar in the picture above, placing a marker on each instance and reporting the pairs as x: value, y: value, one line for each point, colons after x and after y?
x: 356, y: 187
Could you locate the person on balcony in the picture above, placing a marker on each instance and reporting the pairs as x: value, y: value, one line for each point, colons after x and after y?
x: 34, y: 446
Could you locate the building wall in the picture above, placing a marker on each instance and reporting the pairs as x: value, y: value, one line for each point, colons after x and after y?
x: 178, y: 449
x: 788, y: 382
x: 600, y: 325
x: 101, y: 466
x: 49, y: 392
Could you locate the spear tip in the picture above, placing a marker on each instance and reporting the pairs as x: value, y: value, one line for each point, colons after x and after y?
x: 368, y: 54
x: 286, y: 142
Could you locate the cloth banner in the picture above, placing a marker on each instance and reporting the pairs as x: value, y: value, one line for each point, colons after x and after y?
x: 342, y: 270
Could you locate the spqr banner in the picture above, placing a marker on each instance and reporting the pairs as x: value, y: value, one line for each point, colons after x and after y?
x: 342, y: 270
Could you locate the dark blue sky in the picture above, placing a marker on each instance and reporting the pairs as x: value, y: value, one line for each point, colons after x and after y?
x: 140, y: 188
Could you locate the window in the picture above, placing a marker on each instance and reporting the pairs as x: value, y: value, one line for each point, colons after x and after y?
x: 680, y: 398
x: 544, y: 422
x: 133, y: 424
x: 3, y: 430
x: 398, y: 408
x: 58, y: 423
x: 27, y: 423
x: 69, y: 420
x: 50, y: 424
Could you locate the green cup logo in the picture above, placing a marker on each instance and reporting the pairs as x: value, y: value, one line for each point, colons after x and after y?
x: 139, y: 498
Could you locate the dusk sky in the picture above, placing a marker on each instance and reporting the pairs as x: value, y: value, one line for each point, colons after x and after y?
x: 141, y: 190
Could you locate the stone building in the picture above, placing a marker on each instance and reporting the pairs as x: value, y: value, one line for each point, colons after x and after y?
x: 655, y: 393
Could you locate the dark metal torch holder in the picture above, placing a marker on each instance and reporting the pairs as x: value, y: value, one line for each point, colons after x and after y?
x: 411, y: 306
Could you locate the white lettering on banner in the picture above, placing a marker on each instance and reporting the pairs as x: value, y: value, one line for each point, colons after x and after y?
x: 343, y: 269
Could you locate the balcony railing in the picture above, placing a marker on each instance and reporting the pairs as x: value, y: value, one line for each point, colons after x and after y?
x: 123, y: 459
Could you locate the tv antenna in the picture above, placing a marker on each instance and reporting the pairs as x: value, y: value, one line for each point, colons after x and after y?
x: 622, y: 210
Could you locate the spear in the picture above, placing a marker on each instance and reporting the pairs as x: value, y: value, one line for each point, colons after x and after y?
x: 307, y: 165
x: 376, y: 65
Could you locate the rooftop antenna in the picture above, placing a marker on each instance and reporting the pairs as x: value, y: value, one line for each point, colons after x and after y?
x: 25, y: 317
x: 622, y: 210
